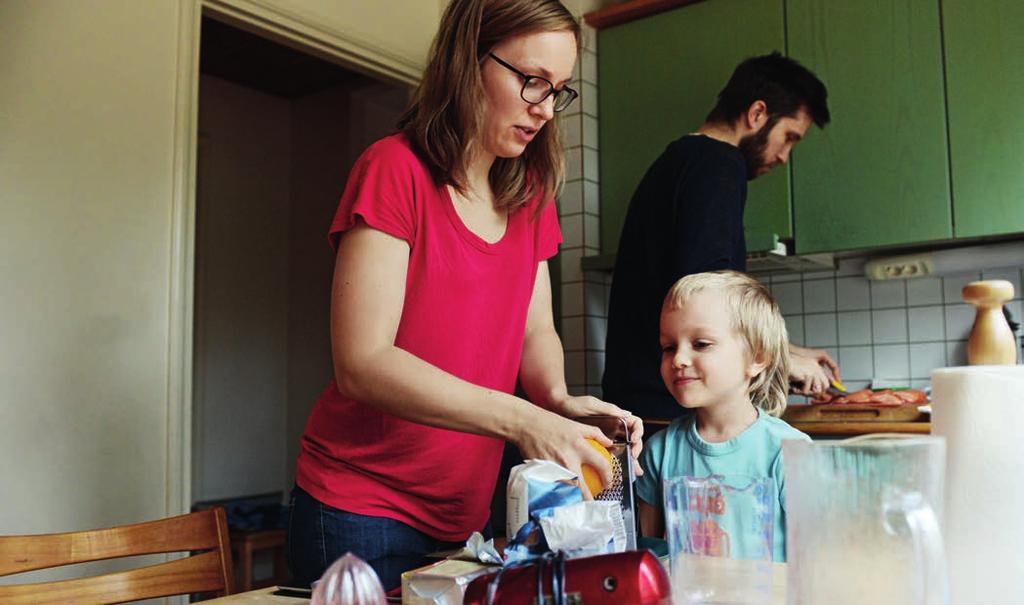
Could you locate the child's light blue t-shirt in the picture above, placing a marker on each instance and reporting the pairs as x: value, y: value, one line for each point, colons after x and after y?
x: 679, y: 450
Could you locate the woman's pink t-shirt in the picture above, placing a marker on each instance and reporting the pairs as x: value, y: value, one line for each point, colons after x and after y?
x: 465, y: 312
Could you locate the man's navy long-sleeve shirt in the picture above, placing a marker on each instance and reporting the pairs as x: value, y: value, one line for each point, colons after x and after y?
x: 685, y: 217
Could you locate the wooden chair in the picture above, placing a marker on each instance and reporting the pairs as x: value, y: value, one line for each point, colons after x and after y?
x: 209, y: 571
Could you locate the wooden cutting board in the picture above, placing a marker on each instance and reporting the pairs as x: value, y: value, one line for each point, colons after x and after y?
x: 850, y: 412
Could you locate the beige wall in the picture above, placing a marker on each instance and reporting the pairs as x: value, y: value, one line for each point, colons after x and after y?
x: 92, y: 340
x: 87, y: 93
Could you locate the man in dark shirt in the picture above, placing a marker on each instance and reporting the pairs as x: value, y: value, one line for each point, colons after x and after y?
x: 686, y: 216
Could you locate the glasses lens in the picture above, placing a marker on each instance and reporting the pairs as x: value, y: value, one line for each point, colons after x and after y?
x: 564, y: 98
x: 536, y: 90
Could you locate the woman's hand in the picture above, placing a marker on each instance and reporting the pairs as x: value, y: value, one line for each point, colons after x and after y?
x: 576, y: 407
x: 549, y: 436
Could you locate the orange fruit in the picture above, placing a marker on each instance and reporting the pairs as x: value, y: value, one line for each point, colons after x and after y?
x: 590, y: 474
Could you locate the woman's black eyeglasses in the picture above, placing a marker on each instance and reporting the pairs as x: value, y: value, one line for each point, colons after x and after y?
x: 536, y: 89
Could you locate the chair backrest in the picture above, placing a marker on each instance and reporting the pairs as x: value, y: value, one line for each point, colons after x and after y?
x: 208, y: 571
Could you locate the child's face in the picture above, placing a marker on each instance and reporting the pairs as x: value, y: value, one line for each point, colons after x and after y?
x: 704, y: 361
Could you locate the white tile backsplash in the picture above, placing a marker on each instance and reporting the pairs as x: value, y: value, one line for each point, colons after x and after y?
x: 789, y: 295
x: 888, y: 294
x: 597, y: 332
x: 591, y: 165
x: 927, y: 324
x: 892, y: 361
x: 589, y: 66
x: 591, y: 197
x: 854, y: 328
x: 593, y: 299
x: 573, y: 163
x: 588, y: 94
x: 856, y: 363
x: 889, y: 326
x: 956, y: 353
x: 572, y: 299
x: 821, y: 330
x: 575, y: 368
x: 571, y: 199
x: 779, y: 278
x: 591, y: 231
x: 952, y: 286
x: 569, y: 259
x: 926, y: 357
x: 852, y: 293
x: 959, y: 319
x: 924, y: 291
x: 572, y: 334
x: 795, y: 327
x: 572, y: 230
x: 590, y: 132
x: 595, y: 366
x: 819, y: 295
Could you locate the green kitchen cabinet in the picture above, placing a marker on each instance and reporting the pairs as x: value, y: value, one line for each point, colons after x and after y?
x: 878, y: 175
x: 658, y: 79
x: 984, y: 84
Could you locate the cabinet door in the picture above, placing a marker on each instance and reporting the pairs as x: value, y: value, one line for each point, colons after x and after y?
x: 985, y: 85
x: 879, y: 173
x: 658, y: 79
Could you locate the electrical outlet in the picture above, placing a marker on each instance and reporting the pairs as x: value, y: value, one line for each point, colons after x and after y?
x: 900, y: 267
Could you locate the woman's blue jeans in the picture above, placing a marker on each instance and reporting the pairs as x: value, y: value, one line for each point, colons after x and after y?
x: 318, y: 534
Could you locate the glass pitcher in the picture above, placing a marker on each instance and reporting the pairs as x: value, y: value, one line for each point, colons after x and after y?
x: 863, y: 518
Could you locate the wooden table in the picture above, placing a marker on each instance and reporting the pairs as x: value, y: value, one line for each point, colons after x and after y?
x: 262, y: 596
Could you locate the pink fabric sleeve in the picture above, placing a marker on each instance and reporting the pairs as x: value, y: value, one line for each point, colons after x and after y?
x: 380, y: 191
x: 549, y: 234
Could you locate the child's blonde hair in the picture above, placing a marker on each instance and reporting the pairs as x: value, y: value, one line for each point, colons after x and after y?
x: 755, y: 315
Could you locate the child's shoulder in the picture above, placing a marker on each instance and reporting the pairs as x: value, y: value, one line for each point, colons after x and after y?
x: 779, y: 430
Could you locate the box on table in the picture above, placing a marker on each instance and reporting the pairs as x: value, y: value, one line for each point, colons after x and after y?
x: 441, y: 583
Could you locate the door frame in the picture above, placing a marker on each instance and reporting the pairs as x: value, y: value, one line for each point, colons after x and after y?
x: 291, y: 28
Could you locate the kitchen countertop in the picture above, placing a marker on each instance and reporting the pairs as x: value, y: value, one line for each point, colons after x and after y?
x: 827, y: 429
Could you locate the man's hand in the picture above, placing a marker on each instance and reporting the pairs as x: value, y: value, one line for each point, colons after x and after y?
x: 819, y: 356
x: 807, y: 375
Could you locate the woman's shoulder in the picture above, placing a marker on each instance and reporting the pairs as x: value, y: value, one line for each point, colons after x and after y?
x: 392, y: 148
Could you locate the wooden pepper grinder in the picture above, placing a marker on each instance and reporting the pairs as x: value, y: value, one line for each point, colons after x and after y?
x: 991, y: 342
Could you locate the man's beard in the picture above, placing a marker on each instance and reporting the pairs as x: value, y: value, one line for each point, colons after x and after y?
x: 752, y: 147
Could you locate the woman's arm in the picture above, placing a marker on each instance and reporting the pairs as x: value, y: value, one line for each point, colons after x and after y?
x: 542, y: 369
x: 366, y: 306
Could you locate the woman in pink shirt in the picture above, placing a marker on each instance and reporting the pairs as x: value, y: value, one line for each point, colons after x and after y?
x: 442, y: 299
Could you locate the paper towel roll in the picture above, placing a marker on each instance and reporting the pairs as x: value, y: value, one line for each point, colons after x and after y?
x: 980, y: 412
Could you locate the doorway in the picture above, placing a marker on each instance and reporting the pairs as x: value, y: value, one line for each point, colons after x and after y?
x: 279, y: 130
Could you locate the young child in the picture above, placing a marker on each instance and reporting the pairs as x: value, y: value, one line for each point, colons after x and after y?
x: 724, y: 356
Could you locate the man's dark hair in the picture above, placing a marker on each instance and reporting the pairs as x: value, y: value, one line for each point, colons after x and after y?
x: 783, y: 84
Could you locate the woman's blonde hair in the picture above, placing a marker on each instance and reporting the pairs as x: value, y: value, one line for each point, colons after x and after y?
x: 755, y: 315
x: 447, y: 109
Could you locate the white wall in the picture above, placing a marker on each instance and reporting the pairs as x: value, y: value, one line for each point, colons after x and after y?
x: 88, y: 183
x: 241, y: 294
x: 87, y: 92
